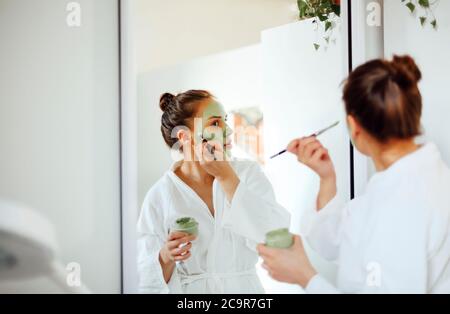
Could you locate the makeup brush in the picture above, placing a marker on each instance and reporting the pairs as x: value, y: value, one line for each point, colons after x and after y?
x: 314, y: 134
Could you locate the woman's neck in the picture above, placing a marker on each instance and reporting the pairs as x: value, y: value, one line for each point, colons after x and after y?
x: 195, y: 172
x: 386, y: 154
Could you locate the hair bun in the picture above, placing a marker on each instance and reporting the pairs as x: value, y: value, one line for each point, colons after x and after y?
x: 166, y: 100
x: 407, y: 72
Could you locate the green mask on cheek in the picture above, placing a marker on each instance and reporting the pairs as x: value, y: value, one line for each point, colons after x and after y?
x: 209, y: 132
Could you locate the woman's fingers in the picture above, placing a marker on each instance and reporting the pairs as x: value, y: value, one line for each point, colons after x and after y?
x: 297, y: 146
x: 181, y: 250
x: 298, y: 241
x: 213, y: 151
x: 319, y: 154
x: 208, y: 152
x: 191, y: 237
x: 176, y: 235
x: 293, y: 146
x: 311, y: 148
x: 179, y: 245
x: 176, y: 243
x: 303, y: 144
x: 182, y: 257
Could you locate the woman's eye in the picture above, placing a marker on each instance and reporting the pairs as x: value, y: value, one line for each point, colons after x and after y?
x: 216, y: 123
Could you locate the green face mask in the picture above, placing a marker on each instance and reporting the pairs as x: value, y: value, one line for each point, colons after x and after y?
x: 208, y: 132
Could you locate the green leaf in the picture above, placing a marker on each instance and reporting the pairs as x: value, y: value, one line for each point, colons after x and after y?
x: 336, y: 9
x: 423, y: 19
x: 328, y: 25
x: 322, y: 17
x: 434, y: 24
x: 424, y: 3
x: 302, y: 7
x: 316, y: 46
x: 411, y: 6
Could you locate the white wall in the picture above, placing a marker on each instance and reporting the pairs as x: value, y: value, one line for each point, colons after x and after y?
x: 59, y: 131
x: 301, y: 95
x: 431, y: 50
x: 174, y: 31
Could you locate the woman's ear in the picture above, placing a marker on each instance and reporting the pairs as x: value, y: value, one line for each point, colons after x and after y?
x: 184, y: 136
x: 354, y: 128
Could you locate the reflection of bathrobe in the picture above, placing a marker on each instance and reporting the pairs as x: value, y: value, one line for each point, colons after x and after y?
x: 393, y: 239
x: 223, y: 256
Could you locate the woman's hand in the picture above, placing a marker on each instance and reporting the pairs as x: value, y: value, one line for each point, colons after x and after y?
x: 310, y: 152
x: 214, y: 162
x: 176, y: 248
x: 288, y: 265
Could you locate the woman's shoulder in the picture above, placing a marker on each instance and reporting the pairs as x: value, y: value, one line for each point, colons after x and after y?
x: 159, y: 190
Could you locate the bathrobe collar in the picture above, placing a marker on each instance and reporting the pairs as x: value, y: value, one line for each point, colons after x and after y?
x: 426, y: 154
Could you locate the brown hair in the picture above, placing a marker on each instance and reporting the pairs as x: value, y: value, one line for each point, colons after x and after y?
x: 383, y: 96
x: 177, y: 109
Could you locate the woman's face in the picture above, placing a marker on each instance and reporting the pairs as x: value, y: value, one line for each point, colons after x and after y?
x: 210, y: 125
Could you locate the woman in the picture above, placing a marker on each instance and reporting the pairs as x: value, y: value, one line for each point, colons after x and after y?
x: 395, y: 237
x: 232, y: 201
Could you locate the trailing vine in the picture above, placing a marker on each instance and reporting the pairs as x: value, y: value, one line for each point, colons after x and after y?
x: 425, y: 9
x: 325, y: 13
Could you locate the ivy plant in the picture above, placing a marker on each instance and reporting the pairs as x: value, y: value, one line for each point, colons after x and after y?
x: 424, y: 9
x: 324, y: 13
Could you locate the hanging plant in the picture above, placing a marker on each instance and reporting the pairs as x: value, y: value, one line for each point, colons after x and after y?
x: 425, y: 9
x: 325, y: 14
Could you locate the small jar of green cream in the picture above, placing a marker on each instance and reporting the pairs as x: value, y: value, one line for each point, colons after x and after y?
x: 185, y: 224
x: 280, y: 239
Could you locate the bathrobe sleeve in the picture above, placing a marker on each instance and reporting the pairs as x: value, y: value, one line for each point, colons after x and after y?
x: 395, y: 258
x: 392, y: 265
x: 151, y: 238
x: 254, y: 210
x: 323, y: 229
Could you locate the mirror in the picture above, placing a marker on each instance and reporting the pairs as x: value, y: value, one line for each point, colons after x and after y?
x: 277, y: 78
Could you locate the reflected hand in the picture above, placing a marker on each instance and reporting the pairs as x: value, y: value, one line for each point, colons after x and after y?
x: 288, y: 265
x: 177, y: 247
x: 214, y: 160
x: 215, y: 164
x: 311, y: 153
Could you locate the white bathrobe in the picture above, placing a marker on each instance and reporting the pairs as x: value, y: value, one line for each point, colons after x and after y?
x: 395, y: 238
x: 224, y: 254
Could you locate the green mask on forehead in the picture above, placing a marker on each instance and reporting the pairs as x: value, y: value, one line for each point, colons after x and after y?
x: 214, y: 110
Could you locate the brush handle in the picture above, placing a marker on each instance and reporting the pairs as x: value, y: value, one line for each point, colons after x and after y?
x: 280, y: 153
x: 314, y: 134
